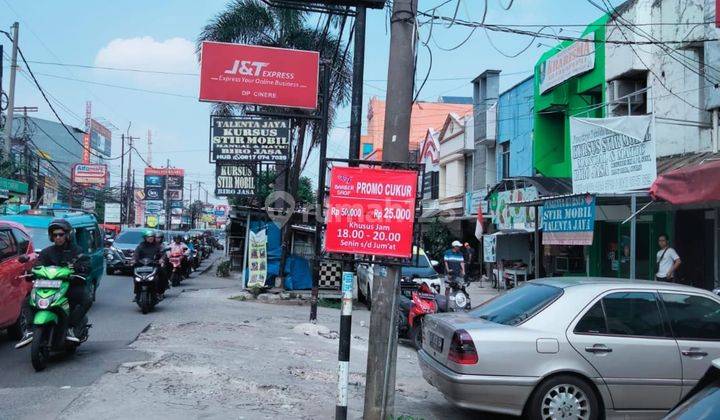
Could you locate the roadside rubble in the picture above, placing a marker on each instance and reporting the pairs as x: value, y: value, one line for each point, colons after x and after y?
x: 214, y: 354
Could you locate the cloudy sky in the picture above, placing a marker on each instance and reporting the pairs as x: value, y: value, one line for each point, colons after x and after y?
x: 159, y: 35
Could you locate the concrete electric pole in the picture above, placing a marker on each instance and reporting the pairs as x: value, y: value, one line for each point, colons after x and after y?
x: 382, y: 347
x: 11, y: 92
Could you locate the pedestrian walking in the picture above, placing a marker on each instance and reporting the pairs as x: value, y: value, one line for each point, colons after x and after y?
x: 667, y: 262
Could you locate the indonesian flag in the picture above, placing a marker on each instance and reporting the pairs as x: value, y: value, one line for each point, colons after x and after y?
x: 479, y: 223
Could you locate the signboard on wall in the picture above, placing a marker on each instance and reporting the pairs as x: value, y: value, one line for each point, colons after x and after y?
x: 611, y: 155
x: 94, y: 175
x: 234, y: 180
x: 112, y: 212
x: 371, y: 211
x: 489, y: 248
x: 251, y: 74
x: 515, y: 218
x: 569, y: 220
x: 247, y: 138
x: 473, y: 200
x: 575, y: 59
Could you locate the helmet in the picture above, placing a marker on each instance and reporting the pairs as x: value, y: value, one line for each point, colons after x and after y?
x: 59, y: 224
x: 160, y: 234
x: 178, y: 237
x: 456, y: 244
x: 186, y: 238
x: 148, y: 233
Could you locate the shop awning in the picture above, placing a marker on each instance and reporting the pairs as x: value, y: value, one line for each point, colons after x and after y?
x: 697, y: 184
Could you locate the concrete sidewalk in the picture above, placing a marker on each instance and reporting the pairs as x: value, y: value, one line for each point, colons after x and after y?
x: 213, y: 357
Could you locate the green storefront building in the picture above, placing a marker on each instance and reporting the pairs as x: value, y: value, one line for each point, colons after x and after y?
x: 570, y: 81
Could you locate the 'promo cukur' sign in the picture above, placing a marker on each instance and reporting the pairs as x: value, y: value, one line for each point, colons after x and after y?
x: 371, y: 211
x: 239, y: 139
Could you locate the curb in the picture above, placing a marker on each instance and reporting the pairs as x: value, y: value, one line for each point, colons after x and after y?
x: 212, y: 263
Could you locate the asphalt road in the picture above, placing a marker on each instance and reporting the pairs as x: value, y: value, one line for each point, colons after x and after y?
x: 116, y: 321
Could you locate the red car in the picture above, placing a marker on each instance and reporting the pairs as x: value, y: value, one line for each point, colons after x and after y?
x: 17, y: 255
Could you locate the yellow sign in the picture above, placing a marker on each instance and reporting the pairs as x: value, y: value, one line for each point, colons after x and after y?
x: 151, y: 221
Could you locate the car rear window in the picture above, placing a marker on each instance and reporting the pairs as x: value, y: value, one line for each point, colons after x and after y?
x: 130, y: 237
x: 517, y: 305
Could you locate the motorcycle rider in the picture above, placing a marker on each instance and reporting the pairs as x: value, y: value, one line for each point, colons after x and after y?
x: 179, y: 247
x: 454, y: 261
x: 149, y: 249
x: 64, y: 253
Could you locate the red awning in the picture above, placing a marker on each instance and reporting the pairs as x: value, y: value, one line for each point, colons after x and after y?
x: 697, y: 184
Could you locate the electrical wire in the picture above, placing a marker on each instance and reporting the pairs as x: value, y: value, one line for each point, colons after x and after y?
x: 52, y: 108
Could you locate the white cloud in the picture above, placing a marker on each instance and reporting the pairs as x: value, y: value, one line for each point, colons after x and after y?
x: 147, y: 53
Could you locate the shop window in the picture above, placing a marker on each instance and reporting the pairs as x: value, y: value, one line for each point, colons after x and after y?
x: 367, y: 148
x: 627, y: 96
x: 693, y: 317
x: 468, y: 173
x: 432, y: 185
x: 633, y: 314
x: 505, y: 159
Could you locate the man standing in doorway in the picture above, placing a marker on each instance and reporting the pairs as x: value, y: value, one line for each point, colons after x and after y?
x: 469, y: 255
x: 667, y: 261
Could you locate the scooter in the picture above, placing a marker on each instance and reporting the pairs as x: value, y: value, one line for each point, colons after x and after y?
x: 412, y: 310
x: 146, y: 294
x: 176, y: 273
x: 456, y: 296
x: 50, y: 324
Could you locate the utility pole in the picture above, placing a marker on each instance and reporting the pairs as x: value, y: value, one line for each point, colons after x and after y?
x: 129, y: 170
x: 321, y: 188
x: 122, y: 176
x: 11, y: 91
x: 348, y: 276
x: 382, y: 346
x: 168, y: 216
x: 131, y: 209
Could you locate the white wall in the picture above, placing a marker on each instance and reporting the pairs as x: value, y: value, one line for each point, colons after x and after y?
x: 676, y: 96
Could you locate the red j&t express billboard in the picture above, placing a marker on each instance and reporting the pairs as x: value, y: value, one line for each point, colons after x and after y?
x: 249, y: 74
x: 371, y: 211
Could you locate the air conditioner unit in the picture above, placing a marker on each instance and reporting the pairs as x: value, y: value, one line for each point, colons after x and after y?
x: 621, y: 91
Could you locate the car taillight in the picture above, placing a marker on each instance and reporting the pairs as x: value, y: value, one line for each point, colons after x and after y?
x: 462, y: 349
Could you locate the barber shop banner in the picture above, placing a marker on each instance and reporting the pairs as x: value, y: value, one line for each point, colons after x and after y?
x: 569, y: 220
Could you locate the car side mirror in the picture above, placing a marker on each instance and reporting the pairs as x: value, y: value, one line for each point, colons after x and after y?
x: 434, y: 263
x: 24, y: 259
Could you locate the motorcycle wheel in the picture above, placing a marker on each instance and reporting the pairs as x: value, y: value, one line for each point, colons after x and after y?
x: 40, y: 350
x: 175, y: 279
x: 145, y: 302
x: 416, y: 334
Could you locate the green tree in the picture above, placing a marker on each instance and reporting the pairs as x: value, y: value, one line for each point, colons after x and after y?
x: 436, y: 239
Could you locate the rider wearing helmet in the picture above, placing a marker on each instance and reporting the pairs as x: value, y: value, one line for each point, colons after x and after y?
x: 63, y: 253
x: 179, y: 247
x: 147, y: 248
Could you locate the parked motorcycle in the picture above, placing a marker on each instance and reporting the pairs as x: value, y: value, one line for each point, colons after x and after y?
x: 456, y: 296
x: 146, y: 293
x: 49, y: 298
x: 412, y: 309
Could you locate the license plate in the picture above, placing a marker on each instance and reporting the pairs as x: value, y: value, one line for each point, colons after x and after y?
x: 436, y: 342
x: 48, y: 284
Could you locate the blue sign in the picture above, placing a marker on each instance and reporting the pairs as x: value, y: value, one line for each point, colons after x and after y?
x: 176, y: 204
x: 569, y: 220
x: 347, y: 281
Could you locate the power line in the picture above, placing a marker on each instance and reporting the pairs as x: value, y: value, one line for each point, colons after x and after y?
x: 157, y: 92
x: 52, y: 108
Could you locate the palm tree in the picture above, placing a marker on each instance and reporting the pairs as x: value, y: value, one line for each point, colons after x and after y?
x: 253, y: 22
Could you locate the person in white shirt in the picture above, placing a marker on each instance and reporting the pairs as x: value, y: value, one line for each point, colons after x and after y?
x: 667, y: 261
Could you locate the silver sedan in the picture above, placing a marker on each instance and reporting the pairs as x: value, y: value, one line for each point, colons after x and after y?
x: 575, y: 348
